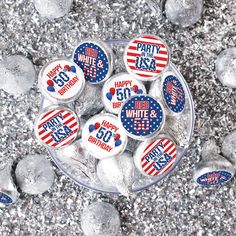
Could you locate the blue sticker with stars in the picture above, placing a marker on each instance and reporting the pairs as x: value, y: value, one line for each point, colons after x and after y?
x: 173, y: 94
x: 214, y: 178
x: 5, y: 199
x: 141, y: 116
x: 93, y: 60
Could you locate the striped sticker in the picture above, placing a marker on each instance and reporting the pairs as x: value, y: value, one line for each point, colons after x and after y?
x: 57, y: 127
x: 157, y: 157
x: 146, y: 57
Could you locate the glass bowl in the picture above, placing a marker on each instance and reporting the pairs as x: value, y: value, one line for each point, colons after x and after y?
x: 78, y: 170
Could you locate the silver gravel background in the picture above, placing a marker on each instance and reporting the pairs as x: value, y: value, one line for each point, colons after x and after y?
x: 175, y: 206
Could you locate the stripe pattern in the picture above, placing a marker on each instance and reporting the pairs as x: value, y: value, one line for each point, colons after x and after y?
x: 69, y: 119
x: 133, y: 54
x: 148, y: 166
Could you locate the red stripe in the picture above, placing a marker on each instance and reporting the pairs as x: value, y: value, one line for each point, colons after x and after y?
x: 152, y: 171
x: 66, y: 115
x: 47, y: 135
x: 73, y: 125
x: 149, y: 166
x: 149, y: 43
x: 166, y: 150
x: 172, y: 151
x: 147, y: 76
x: 68, y: 121
x: 49, y: 141
x: 132, y: 54
x: 48, y: 113
x: 148, y: 146
x: 41, y: 124
x: 41, y: 132
x: 144, y: 164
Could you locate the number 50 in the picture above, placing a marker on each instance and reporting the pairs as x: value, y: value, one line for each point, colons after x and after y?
x: 104, y: 134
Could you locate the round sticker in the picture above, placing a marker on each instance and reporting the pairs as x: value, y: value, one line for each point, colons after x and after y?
x: 142, y: 116
x: 146, y: 57
x: 5, y: 199
x: 173, y: 93
x: 155, y: 157
x: 214, y: 178
x: 57, y: 127
x: 103, y: 136
x: 95, y: 60
x: 118, y: 89
x: 61, y: 81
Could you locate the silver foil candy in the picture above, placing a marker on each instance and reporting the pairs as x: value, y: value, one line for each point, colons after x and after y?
x: 229, y: 147
x: 183, y: 12
x: 226, y: 67
x: 52, y: 9
x: 100, y: 219
x: 17, y: 74
x: 34, y: 174
x: 213, y: 169
x: 117, y: 172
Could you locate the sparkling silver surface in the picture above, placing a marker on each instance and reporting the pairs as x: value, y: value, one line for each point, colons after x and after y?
x: 175, y: 206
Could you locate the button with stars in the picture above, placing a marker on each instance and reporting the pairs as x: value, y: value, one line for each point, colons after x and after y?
x: 142, y: 117
x: 96, y: 59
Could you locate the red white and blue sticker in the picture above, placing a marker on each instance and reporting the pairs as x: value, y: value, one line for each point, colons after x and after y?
x: 118, y: 89
x: 142, y: 116
x: 5, y: 199
x: 146, y: 57
x: 103, y: 136
x: 57, y: 127
x: 93, y: 59
x: 61, y: 80
x: 173, y: 94
x: 214, y: 178
x: 155, y: 157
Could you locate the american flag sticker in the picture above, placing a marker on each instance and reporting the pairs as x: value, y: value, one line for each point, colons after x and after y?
x: 173, y: 94
x: 57, y: 127
x: 157, y: 157
x: 146, y: 57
